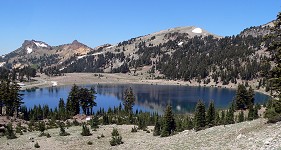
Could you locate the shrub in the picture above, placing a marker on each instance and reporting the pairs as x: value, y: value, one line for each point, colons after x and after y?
x: 75, y: 123
x: 85, y: 131
x: 116, y: 138
x: 62, y: 131
x: 134, y: 129
x: 102, y: 136
x: 9, y: 132
x: 90, y: 143
x: 36, y: 145
x: 48, y: 135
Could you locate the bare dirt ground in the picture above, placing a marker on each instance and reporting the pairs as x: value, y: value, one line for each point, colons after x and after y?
x: 246, y: 135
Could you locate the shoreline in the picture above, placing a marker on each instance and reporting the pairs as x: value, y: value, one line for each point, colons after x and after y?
x: 119, y: 78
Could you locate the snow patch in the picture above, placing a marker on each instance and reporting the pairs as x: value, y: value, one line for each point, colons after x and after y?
x: 197, y: 30
x: 109, y: 47
x: 40, y: 44
x: 97, y: 53
x: 54, y: 83
x: 29, y: 50
x: 2, y: 64
x: 180, y: 43
x: 88, y: 118
x: 79, y: 57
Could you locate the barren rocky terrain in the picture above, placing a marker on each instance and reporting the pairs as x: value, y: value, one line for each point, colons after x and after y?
x: 246, y: 135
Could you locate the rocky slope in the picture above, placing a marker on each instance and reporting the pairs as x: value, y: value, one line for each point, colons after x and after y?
x: 251, y: 135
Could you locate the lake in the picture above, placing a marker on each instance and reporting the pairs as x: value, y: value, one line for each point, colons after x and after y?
x: 150, y: 98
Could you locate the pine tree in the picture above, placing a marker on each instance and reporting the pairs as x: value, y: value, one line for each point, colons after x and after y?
x: 62, y: 112
x: 251, y: 113
x: 9, y: 132
x: 223, y: 119
x: 250, y: 97
x: 157, y: 127
x: 275, y: 48
x: 116, y: 138
x: 190, y: 124
x: 85, y: 130
x: 169, y: 124
x: 211, y: 115
x: 94, y: 122
x: 200, y: 116
x: 241, y: 116
x: 129, y: 100
x: 256, y: 110
x: 241, y: 97
x: 72, y: 104
x: 230, y: 114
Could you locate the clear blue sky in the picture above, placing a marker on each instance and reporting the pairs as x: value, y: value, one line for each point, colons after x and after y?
x: 96, y: 22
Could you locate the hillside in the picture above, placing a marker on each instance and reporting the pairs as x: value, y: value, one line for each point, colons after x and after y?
x: 182, y: 53
x: 246, y: 135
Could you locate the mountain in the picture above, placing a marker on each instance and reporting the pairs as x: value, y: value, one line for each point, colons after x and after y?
x: 43, y: 55
x: 187, y: 53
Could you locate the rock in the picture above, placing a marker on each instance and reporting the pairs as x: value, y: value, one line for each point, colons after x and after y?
x: 239, y: 136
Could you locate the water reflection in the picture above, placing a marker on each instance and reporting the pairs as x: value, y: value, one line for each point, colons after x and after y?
x: 148, y: 97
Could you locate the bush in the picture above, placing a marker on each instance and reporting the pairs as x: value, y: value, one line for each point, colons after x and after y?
x: 36, y: 145
x: 75, y: 123
x: 9, y: 132
x: 41, y: 126
x: 272, y: 116
x: 102, y: 136
x: 85, y: 131
x: 62, y: 131
x: 116, y: 138
x: 134, y: 129
x: 90, y: 143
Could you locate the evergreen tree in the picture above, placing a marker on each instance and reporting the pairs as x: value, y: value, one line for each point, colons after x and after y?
x: 72, y: 104
x: 275, y: 48
x: 211, y: 115
x: 190, y: 124
x: 62, y: 130
x: 241, y: 97
x: 230, y: 114
x: 157, y: 127
x: 241, y: 116
x: 94, y: 122
x: 169, y: 124
x: 251, y: 113
x: 223, y: 118
x: 62, y: 112
x: 129, y: 100
x: 251, y: 97
x: 199, y: 117
x: 87, y: 100
x: 9, y: 132
x: 116, y: 138
x: 256, y: 110
x: 85, y: 130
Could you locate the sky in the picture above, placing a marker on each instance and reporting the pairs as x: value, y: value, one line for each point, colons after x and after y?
x: 97, y: 22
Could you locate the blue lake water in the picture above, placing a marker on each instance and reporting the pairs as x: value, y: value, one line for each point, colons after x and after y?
x: 151, y: 98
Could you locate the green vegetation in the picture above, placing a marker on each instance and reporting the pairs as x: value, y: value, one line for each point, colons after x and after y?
x: 273, y: 110
x: 85, y: 130
x: 9, y: 132
x: 62, y: 130
x: 200, y: 113
x: 169, y: 124
x: 36, y: 145
x: 116, y: 138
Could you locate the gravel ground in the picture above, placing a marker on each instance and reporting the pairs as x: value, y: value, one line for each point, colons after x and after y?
x: 247, y: 135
